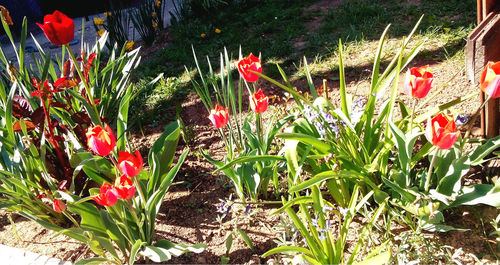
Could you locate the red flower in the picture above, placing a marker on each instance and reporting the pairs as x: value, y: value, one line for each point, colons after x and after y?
x: 219, y: 116
x: 59, y: 28
x: 101, y: 141
x: 259, y: 102
x: 58, y: 206
x: 108, y: 195
x: 441, y: 131
x: 129, y: 164
x: 124, y: 187
x: 250, y: 63
x: 418, y: 81
x: 490, y: 81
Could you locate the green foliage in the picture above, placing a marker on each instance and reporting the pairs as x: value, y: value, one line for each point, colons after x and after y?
x: 247, y: 162
x: 44, y: 153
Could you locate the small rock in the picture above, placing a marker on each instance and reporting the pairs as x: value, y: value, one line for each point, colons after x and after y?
x: 255, y: 260
x: 201, y: 260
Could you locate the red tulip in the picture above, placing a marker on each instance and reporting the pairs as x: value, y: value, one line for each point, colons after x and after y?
x: 250, y: 63
x: 129, y: 164
x: 101, y: 141
x: 219, y: 116
x: 108, y: 195
x: 124, y: 187
x: 58, y: 206
x: 490, y: 81
x: 418, y: 81
x: 259, y: 102
x: 59, y: 28
x: 441, y: 131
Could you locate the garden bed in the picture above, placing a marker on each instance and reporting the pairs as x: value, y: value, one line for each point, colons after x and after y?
x: 190, y: 211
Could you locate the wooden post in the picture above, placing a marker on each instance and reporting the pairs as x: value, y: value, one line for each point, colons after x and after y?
x: 482, y: 46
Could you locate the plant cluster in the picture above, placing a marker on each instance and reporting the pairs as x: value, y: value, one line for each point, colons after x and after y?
x: 361, y: 152
x: 62, y: 164
x: 66, y: 162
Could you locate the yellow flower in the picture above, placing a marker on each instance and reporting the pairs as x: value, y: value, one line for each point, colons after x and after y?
x: 100, y: 32
x: 203, y: 35
x: 107, y: 14
x: 155, y: 25
x: 129, y: 45
x: 217, y: 31
x: 158, y: 3
x: 154, y: 15
x: 98, y: 21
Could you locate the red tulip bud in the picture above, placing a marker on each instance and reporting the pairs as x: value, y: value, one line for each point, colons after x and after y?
x: 250, y: 63
x: 129, y: 164
x: 490, y: 81
x: 418, y: 81
x: 101, y: 141
x: 219, y: 116
x: 108, y: 195
x: 441, y: 131
x: 124, y: 187
x: 259, y: 102
x: 58, y: 206
x: 58, y: 28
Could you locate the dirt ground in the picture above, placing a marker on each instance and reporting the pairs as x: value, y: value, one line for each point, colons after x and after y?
x: 189, y: 211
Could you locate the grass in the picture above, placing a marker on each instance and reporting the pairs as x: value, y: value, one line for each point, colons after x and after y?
x: 273, y: 29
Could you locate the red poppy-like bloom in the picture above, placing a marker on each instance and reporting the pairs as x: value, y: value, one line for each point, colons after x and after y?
x: 124, y: 187
x: 490, y: 79
x: 259, y: 102
x: 219, y: 116
x: 101, y: 141
x: 418, y: 81
x: 129, y: 164
x: 107, y: 196
x: 58, y: 206
x: 59, y: 28
x: 251, y: 63
x: 441, y: 131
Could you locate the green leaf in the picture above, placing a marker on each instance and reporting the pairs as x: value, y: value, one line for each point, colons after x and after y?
x: 284, y: 249
x: 451, y: 182
x: 247, y: 159
x: 478, y: 194
x: 246, y: 238
x: 318, y: 178
x: 121, y: 122
x: 314, y: 93
x: 476, y: 157
x: 91, y: 219
x: 379, y: 259
x: 307, y: 139
x: 164, y: 151
x: 343, y: 93
x: 156, y: 254
x: 91, y: 261
x: 134, y: 250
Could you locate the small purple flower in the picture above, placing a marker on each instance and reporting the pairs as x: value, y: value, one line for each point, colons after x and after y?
x: 221, y: 208
x: 327, y: 208
x: 315, y: 220
x: 247, y: 209
x: 322, y: 235
x: 462, y: 119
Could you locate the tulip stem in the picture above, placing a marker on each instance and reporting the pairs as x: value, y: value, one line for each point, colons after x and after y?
x: 132, y: 210
x: 71, y: 218
x: 429, y: 173
x: 414, y: 103
x: 84, y: 81
x: 473, y: 120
